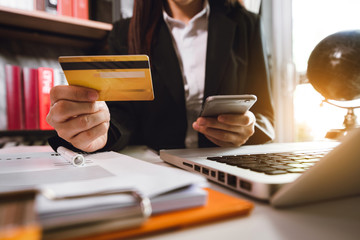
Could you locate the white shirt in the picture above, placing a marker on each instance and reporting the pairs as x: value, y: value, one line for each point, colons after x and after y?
x: 190, y: 43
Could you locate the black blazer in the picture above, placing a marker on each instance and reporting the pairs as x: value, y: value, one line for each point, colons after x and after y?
x: 235, y: 64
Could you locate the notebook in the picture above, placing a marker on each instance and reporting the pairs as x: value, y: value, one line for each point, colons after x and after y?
x: 312, y: 171
x: 110, y: 191
x: 219, y: 207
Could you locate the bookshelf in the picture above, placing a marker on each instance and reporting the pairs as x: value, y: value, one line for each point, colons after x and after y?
x: 41, y: 26
x: 24, y: 137
x: 37, y: 38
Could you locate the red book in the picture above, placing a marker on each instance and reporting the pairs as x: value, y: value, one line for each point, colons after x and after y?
x: 14, y: 97
x: 81, y: 9
x: 39, y: 5
x: 65, y: 7
x: 46, y: 82
x: 31, y: 98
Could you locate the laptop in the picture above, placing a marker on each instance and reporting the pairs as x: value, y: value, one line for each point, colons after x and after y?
x: 284, y: 174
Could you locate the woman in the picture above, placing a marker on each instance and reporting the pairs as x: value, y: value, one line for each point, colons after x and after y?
x: 197, y: 48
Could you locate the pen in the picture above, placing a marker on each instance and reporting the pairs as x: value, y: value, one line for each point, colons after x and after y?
x: 74, y: 158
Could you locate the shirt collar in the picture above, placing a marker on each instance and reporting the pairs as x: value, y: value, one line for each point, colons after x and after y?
x: 204, y: 12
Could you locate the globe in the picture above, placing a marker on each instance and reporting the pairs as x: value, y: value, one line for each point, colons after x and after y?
x: 334, y: 66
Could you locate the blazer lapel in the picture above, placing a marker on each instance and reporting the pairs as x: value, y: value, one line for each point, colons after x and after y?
x: 167, y: 65
x: 220, y: 41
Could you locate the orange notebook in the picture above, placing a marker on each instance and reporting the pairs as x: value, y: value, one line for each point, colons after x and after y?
x: 220, y: 206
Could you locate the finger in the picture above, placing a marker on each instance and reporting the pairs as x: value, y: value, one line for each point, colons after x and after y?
x: 238, y: 137
x: 214, y: 123
x: 210, y: 125
x: 64, y: 110
x: 237, y: 119
x: 227, y: 140
x: 91, y: 139
x: 72, y: 93
x: 81, y: 123
x: 226, y: 137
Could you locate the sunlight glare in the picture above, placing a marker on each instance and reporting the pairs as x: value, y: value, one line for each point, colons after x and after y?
x: 309, y: 28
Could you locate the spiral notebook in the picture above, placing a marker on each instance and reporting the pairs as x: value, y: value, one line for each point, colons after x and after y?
x: 108, y: 192
x: 219, y: 207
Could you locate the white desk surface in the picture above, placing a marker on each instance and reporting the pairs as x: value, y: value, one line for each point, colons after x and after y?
x: 335, y: 219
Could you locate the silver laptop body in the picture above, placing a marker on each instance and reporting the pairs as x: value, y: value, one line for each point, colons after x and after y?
x: 335, y: 172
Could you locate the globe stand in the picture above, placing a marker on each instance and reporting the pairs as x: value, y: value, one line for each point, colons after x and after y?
x: 350, y: 122
x: 334, y: 71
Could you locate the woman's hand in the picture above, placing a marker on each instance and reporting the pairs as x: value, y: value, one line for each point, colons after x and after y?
x: 78, y: 118
x: 227, y: 130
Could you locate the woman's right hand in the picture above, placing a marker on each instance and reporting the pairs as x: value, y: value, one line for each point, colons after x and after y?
x: 78, y: 118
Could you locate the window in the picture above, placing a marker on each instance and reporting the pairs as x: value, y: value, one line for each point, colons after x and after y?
x: 292, y: 29
x: 312, y: 21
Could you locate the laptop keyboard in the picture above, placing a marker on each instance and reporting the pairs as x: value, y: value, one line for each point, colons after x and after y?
x: 274, y: 163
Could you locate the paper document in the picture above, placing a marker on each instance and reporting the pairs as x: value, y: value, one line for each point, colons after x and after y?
x: 31, y: 169
x: 167, y: 188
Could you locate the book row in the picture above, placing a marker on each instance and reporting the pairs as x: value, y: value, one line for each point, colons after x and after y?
x: 28, y: 96
x: 72, y: 8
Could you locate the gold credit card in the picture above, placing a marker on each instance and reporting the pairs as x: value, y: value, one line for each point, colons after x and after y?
x: 116, y: 77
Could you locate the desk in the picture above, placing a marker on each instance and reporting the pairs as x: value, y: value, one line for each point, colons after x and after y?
x: 336, y: 219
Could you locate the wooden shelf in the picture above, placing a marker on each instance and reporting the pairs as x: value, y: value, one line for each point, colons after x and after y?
x: 27, y: 133
x: 50, y: 24
x: 42, y: 27
x: 25, y: 137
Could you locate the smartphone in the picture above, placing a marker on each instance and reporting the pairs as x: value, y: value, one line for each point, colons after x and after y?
x: 223, y: 104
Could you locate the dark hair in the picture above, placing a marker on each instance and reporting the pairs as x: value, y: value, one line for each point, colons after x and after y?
x: 146, y: 15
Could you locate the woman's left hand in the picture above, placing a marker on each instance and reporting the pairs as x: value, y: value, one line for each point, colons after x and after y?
x: 227, y: 130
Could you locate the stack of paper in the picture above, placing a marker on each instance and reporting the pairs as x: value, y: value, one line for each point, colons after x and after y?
x: 84, y: 200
